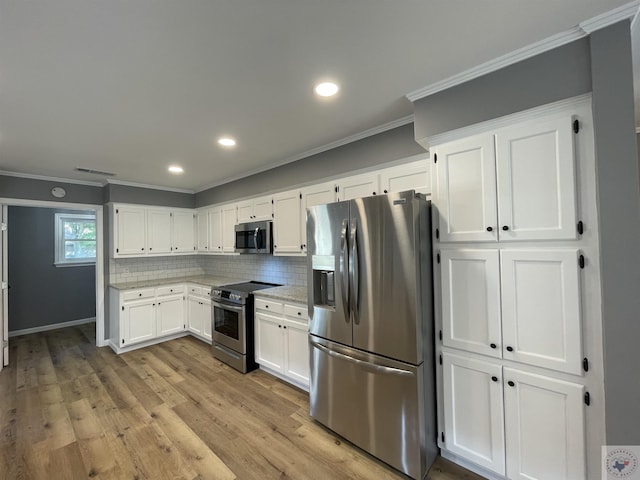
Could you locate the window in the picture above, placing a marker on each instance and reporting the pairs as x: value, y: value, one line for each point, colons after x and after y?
x: 75, y: 239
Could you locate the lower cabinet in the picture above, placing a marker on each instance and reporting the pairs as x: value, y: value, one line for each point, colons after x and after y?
x: 282, y: 344
x: 137, y: 321
x: 515, y: 423
x: 199, y: 311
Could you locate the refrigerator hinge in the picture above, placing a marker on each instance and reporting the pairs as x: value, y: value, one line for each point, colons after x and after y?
x: 580, y: 227
x: 3, y: 226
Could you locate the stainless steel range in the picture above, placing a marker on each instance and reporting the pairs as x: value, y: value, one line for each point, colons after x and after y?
x: 232, y: 324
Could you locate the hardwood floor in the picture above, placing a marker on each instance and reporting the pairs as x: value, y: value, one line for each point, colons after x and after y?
x: 69, y: 410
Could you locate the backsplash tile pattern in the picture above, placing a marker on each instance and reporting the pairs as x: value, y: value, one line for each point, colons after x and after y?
x: 265, y: 268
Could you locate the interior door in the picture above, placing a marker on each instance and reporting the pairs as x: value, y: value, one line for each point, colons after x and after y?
x: 4, y: 308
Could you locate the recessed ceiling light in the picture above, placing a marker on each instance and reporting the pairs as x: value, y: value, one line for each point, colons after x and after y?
x: 326, y: 89
x: 176, y: 169
x: 226, y: 141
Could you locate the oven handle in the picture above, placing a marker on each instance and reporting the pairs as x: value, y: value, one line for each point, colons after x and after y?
x: 226, y: 306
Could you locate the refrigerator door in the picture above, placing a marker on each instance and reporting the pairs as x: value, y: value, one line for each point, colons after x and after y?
x: 387, y: 268
x: 328, y: 283
x: 374, y: 402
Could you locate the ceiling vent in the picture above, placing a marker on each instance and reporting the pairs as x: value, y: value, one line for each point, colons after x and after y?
x: 94, y: 172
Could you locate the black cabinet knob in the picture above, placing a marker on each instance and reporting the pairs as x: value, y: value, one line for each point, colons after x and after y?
x: 509, y: 349
x: 489, y: 229
x: 374, y: 193
x: 511, y: 384
x: 494, y: 378
x: 299, y: 313
x: 493, y: 345
x: 505, y: 228
x: 386, y: 191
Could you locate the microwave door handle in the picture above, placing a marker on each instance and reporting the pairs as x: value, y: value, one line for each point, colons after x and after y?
x: 344, y: 267
x: 255, y: 238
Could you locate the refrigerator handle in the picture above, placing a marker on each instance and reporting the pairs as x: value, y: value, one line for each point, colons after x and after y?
x: 361, y: 363
x: 344, y: 268
x: 354, y: 270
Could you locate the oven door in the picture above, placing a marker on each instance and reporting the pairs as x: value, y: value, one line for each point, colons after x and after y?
x: 229, y: 326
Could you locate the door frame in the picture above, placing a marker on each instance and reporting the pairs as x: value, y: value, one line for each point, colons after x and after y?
x: 98, y: 209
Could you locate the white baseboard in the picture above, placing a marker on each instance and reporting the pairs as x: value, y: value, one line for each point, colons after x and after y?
x: 53, y: 326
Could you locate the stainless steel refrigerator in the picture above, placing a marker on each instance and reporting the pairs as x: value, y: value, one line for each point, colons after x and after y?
x: 371, y: 326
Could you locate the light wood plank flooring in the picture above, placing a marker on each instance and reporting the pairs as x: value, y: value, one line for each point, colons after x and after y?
x: 69, y: 410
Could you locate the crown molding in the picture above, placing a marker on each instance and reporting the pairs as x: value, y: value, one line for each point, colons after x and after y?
x: 584, y: 29
x: 152, y: 187
x: 314, y: 151
x: 50, y: 179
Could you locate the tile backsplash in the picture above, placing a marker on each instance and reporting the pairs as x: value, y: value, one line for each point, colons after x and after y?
x: 265, y: 268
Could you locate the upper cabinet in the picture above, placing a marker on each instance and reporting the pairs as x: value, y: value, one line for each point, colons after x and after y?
x: 515, y: 183
x: 255, y: 209
x: 202, y: 231
x: 229, y: 219
x: 141, y: 231
x: 358, y: 186
x: 320, y: 194
x: 286, y: 221
x: 411, y: 176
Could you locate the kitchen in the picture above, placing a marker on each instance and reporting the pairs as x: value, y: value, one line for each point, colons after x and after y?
x: 606, y: 112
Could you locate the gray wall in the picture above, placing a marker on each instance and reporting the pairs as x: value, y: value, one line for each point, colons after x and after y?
x: 147, y: 196
x: 551, y: 76
x: 26, y: 188
x: 41, y: 294
x: 619, y: 212
x: 600, y: 64
x: 385, y: 147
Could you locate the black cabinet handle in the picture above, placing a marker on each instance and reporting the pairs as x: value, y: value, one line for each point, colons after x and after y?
x: 505, y: 228
x: 509, y: 349
x: 284, y: 327
x: 489, y: 229
x: 494, y: 378
x: 493, y: 345
x: 511, y: 384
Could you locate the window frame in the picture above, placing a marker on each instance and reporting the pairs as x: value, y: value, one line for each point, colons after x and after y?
x: 59, y: 241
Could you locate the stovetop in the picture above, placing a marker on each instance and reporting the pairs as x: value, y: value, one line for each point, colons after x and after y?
x: 239, y: 292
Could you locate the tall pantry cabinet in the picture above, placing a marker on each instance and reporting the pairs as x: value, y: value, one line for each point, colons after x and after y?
x: 517, y: 295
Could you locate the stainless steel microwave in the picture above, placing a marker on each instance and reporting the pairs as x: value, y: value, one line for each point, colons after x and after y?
x: 254, y: 237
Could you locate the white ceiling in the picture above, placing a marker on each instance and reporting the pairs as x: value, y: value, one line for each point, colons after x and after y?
x: 131, y: 86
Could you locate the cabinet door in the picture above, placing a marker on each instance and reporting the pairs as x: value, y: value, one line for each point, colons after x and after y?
x: 312, y: 196
x: 411, y: 176
x: 269, y: 342
x: 297, y: 352
x: 194, y: 315
x: 183, y: 232
x: 541, y: 308
x: 245, y: 211
x: 286, y: 223
x: 471, y: 300
x: 229, y: 220
x: 358, y: 186
x: 202, y: 222
x: 131, y: 239
x: 536, y: 180
x: 138, y: 322
x: 466, y: 189
x: 545, y: 431
x: 474, y: 416
x: 159, y: 231
x: 205, y: 313
x: 215, y: 231
x: 170, y: 314
x: 262, y: 208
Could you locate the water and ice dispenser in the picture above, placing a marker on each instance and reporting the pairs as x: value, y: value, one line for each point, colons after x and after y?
x: 324, y: 285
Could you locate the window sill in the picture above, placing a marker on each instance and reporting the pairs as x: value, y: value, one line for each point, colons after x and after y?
x: 74, y: 264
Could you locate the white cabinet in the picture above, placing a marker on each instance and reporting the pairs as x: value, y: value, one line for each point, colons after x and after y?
x: 199, y: 310
x: 515, y: 183
x: 521, y: 305
x: 473, y: 411
x: 286, y: 223
x: 202, y: 231
x: 410, y: 176
x: 170, y: 314
x: 358, y: 186
x: 544, y: 427
x: 215, y: 230
x: 158, y: 232
x: 311, y: 196
x: 539, y: 435
x: 282, y: 345
x: 255, y: 209
x: 128, y: 227
x: 137, y: 322
x: 229, y: 216
x: 182, y: 231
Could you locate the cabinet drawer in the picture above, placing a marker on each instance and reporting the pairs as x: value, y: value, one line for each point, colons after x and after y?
x: 195, y: 290
x: 138, y: 294
x: 268, y: 305
x: 169, y: 290
x: 297, y: 312
x: 206, y: 291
